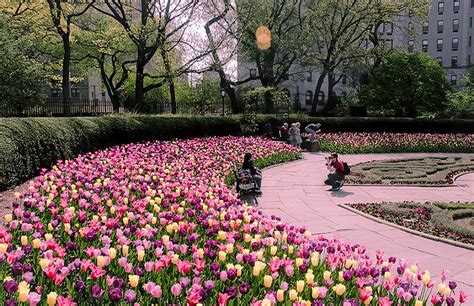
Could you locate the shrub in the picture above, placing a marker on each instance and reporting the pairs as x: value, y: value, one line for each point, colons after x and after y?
x: 29, y: 144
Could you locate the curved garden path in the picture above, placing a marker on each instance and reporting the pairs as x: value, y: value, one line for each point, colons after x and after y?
x: 295, y: 192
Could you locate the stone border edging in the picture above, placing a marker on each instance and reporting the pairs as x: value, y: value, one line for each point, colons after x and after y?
x: 409, y: 230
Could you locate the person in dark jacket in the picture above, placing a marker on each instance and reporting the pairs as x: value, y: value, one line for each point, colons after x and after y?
x: 249, y: 165
x: 336, y: 167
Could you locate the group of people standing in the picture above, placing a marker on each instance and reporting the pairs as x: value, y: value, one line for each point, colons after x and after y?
x: 293, y: 134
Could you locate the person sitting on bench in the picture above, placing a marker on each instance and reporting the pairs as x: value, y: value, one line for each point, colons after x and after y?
x: 249, y: 165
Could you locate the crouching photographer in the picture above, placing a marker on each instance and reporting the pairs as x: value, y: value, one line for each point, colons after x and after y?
x: 338, y: 170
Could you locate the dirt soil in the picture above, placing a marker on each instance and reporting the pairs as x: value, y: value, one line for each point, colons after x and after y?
x: 8, y: 196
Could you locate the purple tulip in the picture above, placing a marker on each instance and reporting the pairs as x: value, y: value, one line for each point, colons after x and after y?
x: 97, y: 292
x: 11, y: 302
x: 10, y: 286
x: 450, y: 301
x: 17, y: 268
x: 244, y: 288
x: 79, y: 286
x: 130, y: 296
x: 452, y: 285
x: 115, y: 294
x: 209, y: 284
x: 28, y: 277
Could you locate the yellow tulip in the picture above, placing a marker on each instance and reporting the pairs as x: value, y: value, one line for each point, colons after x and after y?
x: 8, y: 218
x: 284, y: 237
x: 125, y: 220
x: 340, y: 276
x: 266, y: 302
x: 24, y: 240
x: 100, y: 261
x: 280, y: 295
x: 112, y: 253
x: 315, y: 259
x: 112, y: 210
x: 133, y: 280
x: 267, y: 281
x: 290, y: 249
x: 447, y: 291
x: 125, y: 249
x: 44, y: 263
x: 387, y: 275
x: 309, y: 278
x: 165, y: 238
x: 293, y: 294
x: 277, y: 234
x: 175, y: 259
x: 140, y: 255
x: 67, y: 227
x: 418, y: 303
x: 298, y: 262
x: 247, y: 238
x: 23, y: 286
x: 326, y: 275
x: 200, y: 252
x: 36, y: 243
x: 340, y: 289
x: 48, y: 236
x: 256, y: 271
x: 23, y: 295
x: 273, y: 250
x: 239, y: 269
x: 414, y: 268
x: 222, y: 256
x: 300, y: 286
x: 3, y: 248
x: 51, y: 298
x: 425, y: 279
x: 307, y: 234
x: 229, y: 248
x: 368, y: 300
x: 441, y: 287
x: 315, y: 292
x: 95, y: 218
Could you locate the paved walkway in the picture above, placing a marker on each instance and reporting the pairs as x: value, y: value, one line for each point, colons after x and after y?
x: 295, y: 192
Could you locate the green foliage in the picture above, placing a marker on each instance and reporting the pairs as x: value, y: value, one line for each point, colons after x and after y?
x: 263, y: 99
x: 264, y: 162
x: 22, y: 76
x: 29, y: 144
x: 461, y: 104
x: 205, y: 98
x: 407, y: 84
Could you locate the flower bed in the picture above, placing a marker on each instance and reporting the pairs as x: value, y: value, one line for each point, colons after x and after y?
x: 154, y: 223
x: 438, y: 219
x: 410, y: 171
x: 396, y: 142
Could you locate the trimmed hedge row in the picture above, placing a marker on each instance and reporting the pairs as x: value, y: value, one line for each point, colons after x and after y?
x: 370, y: 124
x: 29, y: 144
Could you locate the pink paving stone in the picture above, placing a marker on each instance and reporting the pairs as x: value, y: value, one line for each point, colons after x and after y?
x: 298, y: 191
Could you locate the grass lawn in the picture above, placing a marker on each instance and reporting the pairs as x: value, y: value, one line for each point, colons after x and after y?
x: 412, y: 171
x: 447, y: 220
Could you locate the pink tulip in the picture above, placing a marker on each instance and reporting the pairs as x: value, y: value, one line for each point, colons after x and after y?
x: 176, y: 289
x: 463, y: 297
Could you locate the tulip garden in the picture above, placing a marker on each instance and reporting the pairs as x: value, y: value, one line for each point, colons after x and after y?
x: 155, y: 223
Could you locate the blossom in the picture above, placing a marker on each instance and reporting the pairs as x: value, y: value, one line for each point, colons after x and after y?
x: 463, y: 297
x: 52, y: 298
x: 133, y: 280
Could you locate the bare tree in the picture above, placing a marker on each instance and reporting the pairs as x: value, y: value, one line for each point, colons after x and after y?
x: 62, y: 15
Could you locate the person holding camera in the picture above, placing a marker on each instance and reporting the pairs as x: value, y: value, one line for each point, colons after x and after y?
x: 338, y: 172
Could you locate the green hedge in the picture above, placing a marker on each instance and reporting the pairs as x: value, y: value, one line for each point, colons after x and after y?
x: 29, y: 144
x: 370, y: 124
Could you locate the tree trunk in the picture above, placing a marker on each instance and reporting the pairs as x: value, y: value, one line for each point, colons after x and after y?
x: 169, y: 76
x: 139, y: 87
x: 233, y: 100
x: 66, y: 85
x: 319, y: 85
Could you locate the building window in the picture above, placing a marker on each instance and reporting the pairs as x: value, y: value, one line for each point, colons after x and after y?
x: 344, y: 79
x: 389, y: 43
x: 309, y: 76
x: 440, y: 26
x: 455, y: 25
x: 454, y: 61
x: 454, y: 79
x: 456, y: 6
x: 425, y: 27
x: 424, y: 45
x: 470, y: 41
x: 321, y: 96
x: 75, y: 93
x: 309, y: 97
x: 440, y: 61
x: 411, y: 45
x: 472, y: 3
x: 253, y: 73
x: 388, y: 28
x: 440, y: 8
x: 455, y: 44
x: 55, y: 92
x: 439, y: 45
